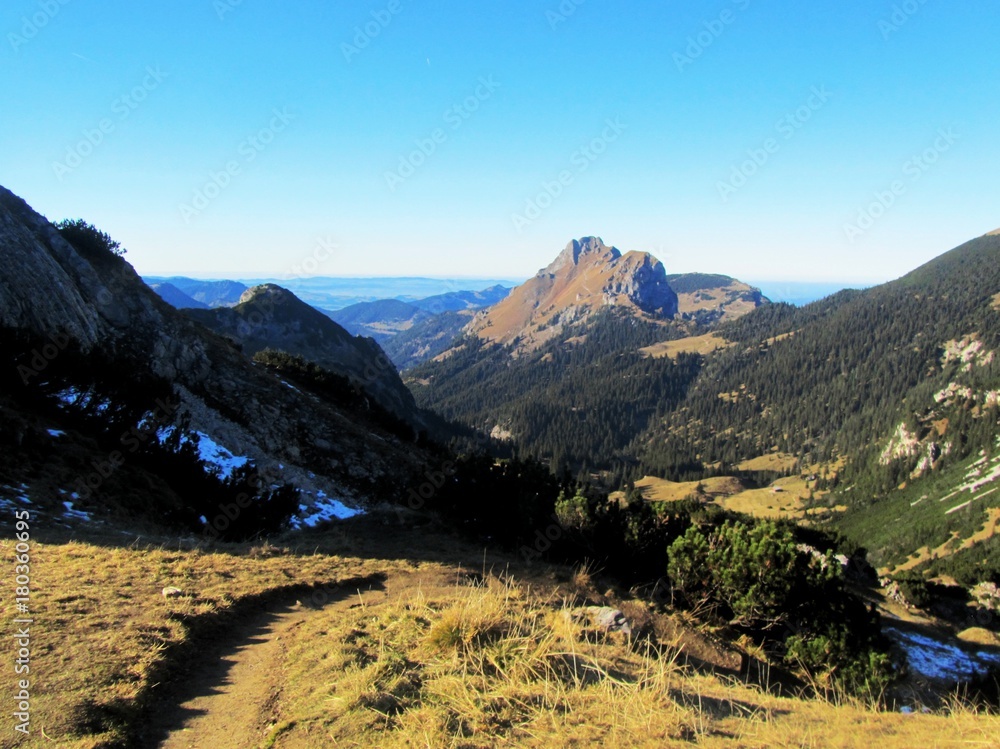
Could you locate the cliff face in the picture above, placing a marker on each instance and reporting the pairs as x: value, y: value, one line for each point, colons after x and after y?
x: 48, y: 288
x: 585, y: 277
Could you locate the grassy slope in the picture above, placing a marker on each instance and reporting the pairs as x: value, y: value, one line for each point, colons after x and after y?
x: 438, y: 663
x: 927, y: 513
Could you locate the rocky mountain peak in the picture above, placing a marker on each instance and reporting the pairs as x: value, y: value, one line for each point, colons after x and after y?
x: 585, y: 250
x: 586, y: 277
x: 272, y: 292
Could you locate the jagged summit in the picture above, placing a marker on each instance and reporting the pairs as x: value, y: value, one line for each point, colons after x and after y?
x: 585, y: 277
x: 590, y: 248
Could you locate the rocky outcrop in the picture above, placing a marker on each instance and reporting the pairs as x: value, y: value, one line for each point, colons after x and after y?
x: 590, y: 249
x: 641, y: 279
x: 586, y: 277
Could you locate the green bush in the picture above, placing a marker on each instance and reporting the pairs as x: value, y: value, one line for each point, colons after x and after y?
x: 914, y: 588
x: 89, y: 241
x: 792, y: 599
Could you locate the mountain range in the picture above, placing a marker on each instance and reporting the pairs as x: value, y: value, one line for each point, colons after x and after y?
x: 709, y: 449
x: 879, y: 403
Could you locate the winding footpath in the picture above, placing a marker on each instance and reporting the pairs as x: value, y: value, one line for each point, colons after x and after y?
x: 232, y: 697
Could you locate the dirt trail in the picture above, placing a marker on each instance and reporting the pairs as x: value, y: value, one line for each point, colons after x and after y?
x: 231, y: 698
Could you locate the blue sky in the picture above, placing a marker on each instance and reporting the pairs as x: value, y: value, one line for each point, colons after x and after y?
x: 833, y: 140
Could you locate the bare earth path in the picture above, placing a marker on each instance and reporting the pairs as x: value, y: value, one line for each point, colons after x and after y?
x: 231, y: 697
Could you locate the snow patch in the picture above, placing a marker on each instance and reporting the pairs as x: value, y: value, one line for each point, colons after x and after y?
x: 75, y: 514
x: 56, y: 432
x: 934, y: 659
x: 77, y: 398
x: 322, y: 510
x: 221, y: 459
x: 7, y: 505
x: 222, y: 462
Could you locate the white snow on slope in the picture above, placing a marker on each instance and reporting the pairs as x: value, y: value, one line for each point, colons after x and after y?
x: 75, y: 514
x: 220, y: 460
x: 219, y: 457
x: 72, y: 396
x: 321, y: 510
x: 940, y: 660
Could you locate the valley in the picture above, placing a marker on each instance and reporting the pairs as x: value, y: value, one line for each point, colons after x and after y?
x: 789, y: 513
x: 481, y: 375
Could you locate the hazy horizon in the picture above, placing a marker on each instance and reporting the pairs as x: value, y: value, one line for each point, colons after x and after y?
x: 806, y: 143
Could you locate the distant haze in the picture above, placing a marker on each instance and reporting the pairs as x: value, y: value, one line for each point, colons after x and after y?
x: 802, y: 292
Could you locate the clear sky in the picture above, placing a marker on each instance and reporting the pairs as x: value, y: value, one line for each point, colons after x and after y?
x: 825, y: 140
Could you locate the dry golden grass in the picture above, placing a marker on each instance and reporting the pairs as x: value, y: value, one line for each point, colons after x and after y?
x: 103, y: 631
x: 954, y: 544
x: 702, y: 344
x: 980, y: 636
x: 786, y: 497
x: 496, y: 665
x: 429, y: 662
x: 779, y: 462
x: 661, y: 490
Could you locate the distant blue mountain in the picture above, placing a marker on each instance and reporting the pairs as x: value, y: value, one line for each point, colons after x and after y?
x: 336, y: 293
x: 455, y: 301
x: 210, y: 293
x: 175, y: 297
x: 384, y: 312
x: 411, y: 331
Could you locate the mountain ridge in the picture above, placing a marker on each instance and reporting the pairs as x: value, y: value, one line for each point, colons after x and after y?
x: 114, y: 353
x: 269, y: 316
